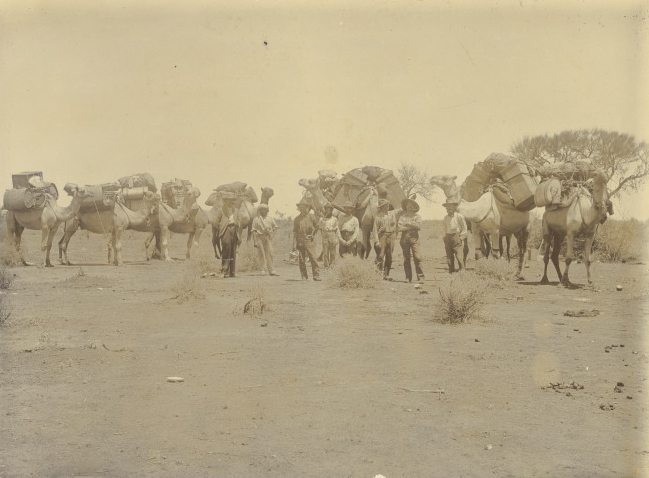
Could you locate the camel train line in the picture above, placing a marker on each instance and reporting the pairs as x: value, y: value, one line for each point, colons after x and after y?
x: 491, y: 217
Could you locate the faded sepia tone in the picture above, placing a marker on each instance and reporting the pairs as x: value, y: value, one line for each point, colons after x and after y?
x: 325, y: 382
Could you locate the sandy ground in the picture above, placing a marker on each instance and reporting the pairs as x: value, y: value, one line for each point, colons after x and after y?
x: 326, y: 383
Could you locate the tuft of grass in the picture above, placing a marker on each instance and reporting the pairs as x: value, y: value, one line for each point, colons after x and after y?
x: 354, y: 273
x: 204, y: 262
x: 188, y: 289
x: 461, y: 300
x: 496, y: 270
x: 5, y: 309
x: 257, y: 304
x: 9, y: 255
x: 247, y: 258
x: 6, y: 278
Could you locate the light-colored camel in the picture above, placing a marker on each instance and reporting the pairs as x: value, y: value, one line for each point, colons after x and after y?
x: 184, y: 220
x: 46, y: 219
x: 489, y: 217
x: 365, y: 211
x: 246, y: 212
x: 111, y: 221
x: 581, y: 216
x: 144, y: 219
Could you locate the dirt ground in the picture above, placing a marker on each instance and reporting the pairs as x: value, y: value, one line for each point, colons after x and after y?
x: 326, y: 383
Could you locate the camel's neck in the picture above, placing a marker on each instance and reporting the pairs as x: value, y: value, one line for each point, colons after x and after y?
x: 265, y: 196
x: 186, y: 206
x: 476, y: 211
x: 451, y: 191
x: 65, y: 213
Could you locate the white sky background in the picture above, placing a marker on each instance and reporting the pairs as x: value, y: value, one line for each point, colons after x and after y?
x: 92, y: 91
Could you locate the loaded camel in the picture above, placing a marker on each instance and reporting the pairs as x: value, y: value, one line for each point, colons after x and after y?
x: 366, y: 208
x: 246, y: 212
x: 581, y: 215
x: 490, y: 217
x: 113, y: 221
x: 187, y: 219
x: 47, y: 219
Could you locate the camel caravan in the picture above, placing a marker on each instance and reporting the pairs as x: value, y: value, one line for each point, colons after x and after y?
x: 495, y: 200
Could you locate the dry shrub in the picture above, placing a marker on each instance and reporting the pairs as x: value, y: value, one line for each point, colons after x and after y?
x: 495, y: 270
x: 620, y: 241
x: 6, y: 278
x: 247, y: 258
x: 189, y: 288
x: 257, y: 303
x: 9, y: 255
x: 461, y: 300
x: 204, y: 262
x: 5, y: 309
x: 354, y: 273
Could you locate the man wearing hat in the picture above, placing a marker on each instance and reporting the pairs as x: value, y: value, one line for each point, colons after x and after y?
x: 228, y: 233
x: 383, y: 233
x: 305, y: 227
x: 348, y: 230
x: 455, y: 232
x: 263, y: 230
x: 408, y: 225
x: 329, y: 231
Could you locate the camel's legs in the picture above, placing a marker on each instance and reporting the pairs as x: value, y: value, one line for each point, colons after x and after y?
x: 196, y: 239
x: 587, y: 251
x: 508, y: 241
x: 147, y: 243
x: 521, y: 240
x: 110, y: 246
x: 69, y: 228
x: 465, y: 251
x: 215, y: 242
x: 47, y: 237
x: 190, y: 242
x: 164, y: 242
x: 117, y: 246
x: 15, y: 232
x: 495, y: 245
x: 570, y: 246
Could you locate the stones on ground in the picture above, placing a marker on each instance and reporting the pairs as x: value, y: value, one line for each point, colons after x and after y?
x: 618, y: 387
x: 582, y: 313
x: 606, y: 408
x: 618, y: 287
x: 488, y: 447
x: 558, y: 386
x: 175, y: 379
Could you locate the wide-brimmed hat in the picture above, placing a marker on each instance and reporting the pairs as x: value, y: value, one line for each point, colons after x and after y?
x: 302, y: 203
x: 383, y: 202
x: 262, y: 206
x: 348, y: 205
x: 451, y: 203
x: 407, y: 201
x: 328, y: 205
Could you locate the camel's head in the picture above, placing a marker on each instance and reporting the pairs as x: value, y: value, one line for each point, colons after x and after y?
x: 308, y: 183
x: 267, y: 192
x: 443, y: 181
x: 192, y: 192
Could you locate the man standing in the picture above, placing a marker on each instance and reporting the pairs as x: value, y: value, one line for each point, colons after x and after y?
x: 409, y: 225
x: 305, y: 226
x: 385, y: 226
x: 228, y: 234
x: 348, y: 231
x: 263, y: 230
x: 455, y: 232
x: 329, y: 231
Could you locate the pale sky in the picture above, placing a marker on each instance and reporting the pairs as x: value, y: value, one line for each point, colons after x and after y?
x: 247, y: 91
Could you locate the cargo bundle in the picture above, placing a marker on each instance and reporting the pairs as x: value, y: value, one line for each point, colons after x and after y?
x: 173, y: 192
x: 29, y: 191
x: 235, y: 190
x: 356, y: 186
x: 559, y: 181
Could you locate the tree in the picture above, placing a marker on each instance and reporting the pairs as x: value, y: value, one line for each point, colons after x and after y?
x: 414, y: 181
x: 625, y: 161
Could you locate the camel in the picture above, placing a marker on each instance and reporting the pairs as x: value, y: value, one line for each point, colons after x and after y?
x: 489, y: 217
x: 47, y: 219
x: 112, y: 221
x: 583, y: 213
x: 365, y: 212
x: 246, y: 213
x: 184, y: 220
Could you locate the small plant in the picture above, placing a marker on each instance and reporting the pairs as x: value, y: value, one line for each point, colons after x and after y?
x: 6, y: 278
x: 81, y: 272
x: 247, y: 258
x: 461, y: 300
x: 189, y: 288
x: 498, y: 270
x: 5, y: 309
x: 9, y: 255
x: 353, y: 273
x: 204, y: 262
x: 257, y: 303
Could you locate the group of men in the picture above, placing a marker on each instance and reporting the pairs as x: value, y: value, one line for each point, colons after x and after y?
x: 342, y: 235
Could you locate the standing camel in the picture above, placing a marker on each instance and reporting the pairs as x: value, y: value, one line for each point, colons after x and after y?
x: 187, y: 219
x: 246, y: 213
x: 582, y: 215
x: 144, y: 219
x: 108, y: 221
x: 47, y: 219
x: 489, y: 217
